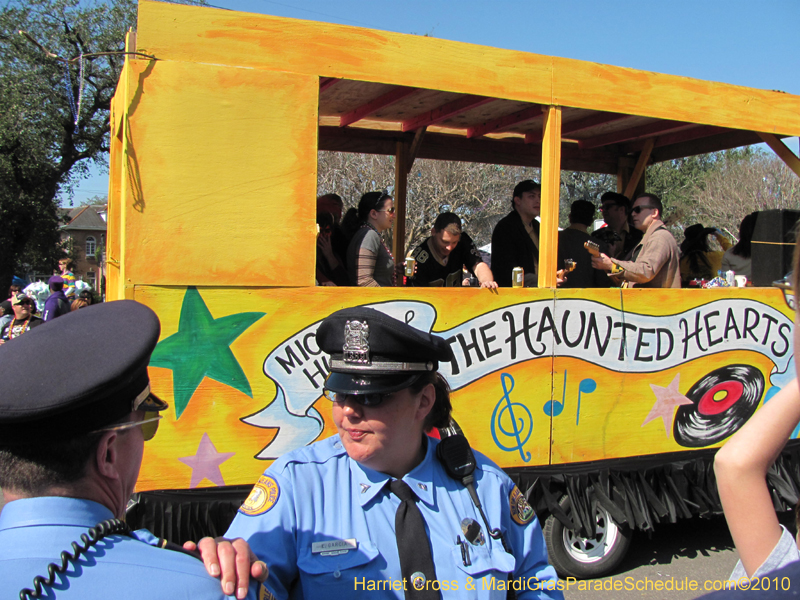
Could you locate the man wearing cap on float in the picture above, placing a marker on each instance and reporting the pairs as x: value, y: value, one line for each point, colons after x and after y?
x: 71, y: 444
x: 24, y: 320
x: 326, y: 514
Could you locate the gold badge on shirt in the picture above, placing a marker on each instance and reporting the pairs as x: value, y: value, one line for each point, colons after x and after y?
x: 521, y: 511
x: 262, y: 497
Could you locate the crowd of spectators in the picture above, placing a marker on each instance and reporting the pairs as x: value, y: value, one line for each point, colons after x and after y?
x: 20, y: 313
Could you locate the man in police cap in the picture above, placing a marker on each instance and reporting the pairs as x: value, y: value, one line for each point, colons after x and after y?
x: 71, y: 442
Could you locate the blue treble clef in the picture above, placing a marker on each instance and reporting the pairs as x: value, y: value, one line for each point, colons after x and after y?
x: 519, y: 425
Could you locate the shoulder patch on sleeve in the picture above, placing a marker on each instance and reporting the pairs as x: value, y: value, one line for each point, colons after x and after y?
x: 521, y: 511
x: 263, y: 496
x: 264, y: 593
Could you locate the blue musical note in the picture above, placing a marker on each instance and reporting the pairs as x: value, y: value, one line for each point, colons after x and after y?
x: 551, y: 407
x: 586, y: 386
x: 519, y: 426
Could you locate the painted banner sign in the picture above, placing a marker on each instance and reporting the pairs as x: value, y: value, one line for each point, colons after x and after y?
x: 612, y: 339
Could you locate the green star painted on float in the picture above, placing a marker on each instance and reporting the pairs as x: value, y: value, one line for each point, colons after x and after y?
x: 201, y: 348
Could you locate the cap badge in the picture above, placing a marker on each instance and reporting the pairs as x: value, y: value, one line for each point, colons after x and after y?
x: 356, y: 342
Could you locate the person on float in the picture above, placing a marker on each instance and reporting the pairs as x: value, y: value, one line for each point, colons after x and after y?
x: 369, y: 261
x: 655, y: 261
x: 738, y: 258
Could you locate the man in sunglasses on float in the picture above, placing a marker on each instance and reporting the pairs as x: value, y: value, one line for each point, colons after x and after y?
x: 72, y: 436
x: 655, y: 261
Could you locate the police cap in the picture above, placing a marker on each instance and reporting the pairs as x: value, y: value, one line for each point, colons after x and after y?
x: 78, y: 373
x: 373, y: 352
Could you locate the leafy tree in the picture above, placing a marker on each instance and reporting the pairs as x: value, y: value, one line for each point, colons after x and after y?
x: 43, y: 152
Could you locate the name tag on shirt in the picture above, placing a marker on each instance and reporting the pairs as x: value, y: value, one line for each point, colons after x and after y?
x: 334, y: 547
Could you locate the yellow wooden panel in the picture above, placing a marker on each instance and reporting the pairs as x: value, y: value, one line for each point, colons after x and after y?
x: 616, y: 89
x: 222, y: 174
x: 187, y: 33
x: 209, y: 35
x: 113, y: 219
x: 674, y: 338
x: 271, y: 406
x: 241, y: 368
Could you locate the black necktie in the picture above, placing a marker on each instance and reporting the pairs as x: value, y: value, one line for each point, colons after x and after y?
x: 413, y: 546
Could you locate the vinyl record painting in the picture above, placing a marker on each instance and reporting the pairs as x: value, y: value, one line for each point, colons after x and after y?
x: 723, y: 401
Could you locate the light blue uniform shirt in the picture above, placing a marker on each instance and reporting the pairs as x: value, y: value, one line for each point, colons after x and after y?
x: 325, y: 526
x: 34, y: 532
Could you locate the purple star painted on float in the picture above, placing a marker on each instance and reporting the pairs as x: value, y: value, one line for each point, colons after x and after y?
x: 667, y: 400
x: 205, y: 463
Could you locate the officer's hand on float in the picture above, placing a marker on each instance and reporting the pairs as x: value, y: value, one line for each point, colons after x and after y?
x: 492, y: 285
x: 602, y: 262
x: 231, y: 560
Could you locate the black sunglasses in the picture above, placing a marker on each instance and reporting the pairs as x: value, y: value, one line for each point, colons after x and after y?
x: 640, y: 208
x: 374, y: 399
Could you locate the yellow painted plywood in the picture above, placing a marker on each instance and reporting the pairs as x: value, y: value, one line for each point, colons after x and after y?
x: 241, y: 369
x: 197, y: 34
x: 258, y: 393
x: 690, y: 365
x: 629, y: 91
x: 221, y: 176
x: 224, y: 37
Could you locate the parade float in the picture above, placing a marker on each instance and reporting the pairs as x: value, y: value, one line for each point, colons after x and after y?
x: 605, y: 405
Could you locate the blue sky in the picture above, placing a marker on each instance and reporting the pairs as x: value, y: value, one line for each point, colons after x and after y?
x: 750, y: 43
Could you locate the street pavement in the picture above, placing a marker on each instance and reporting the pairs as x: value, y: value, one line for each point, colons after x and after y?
x: 694, y: 550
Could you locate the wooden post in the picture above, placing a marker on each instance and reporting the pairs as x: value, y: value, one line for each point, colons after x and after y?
x: 623, y: 175
x: 637, y: 178
x: 551, y: 187
x: 400, y: 189
x: 783, y: 151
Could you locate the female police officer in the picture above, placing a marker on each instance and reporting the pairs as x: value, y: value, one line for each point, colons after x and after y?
x: 373, y: 509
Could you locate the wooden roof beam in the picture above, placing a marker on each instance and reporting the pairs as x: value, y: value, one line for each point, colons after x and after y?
x: 782, y: 150
x: 326, y: 83
x: 585, y: 123
x: 686, y: 135
x: 501, y: 123
x: 392, y: 96
x: 633, y: 133
x: 446, y: 111
x: 733, y: 138
x: 441, y: 146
